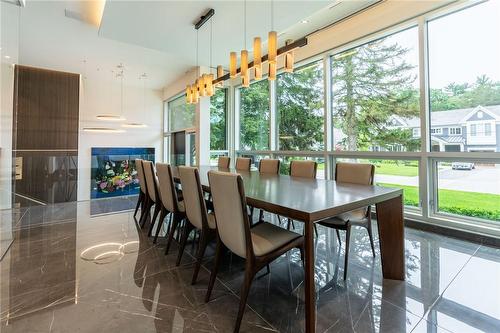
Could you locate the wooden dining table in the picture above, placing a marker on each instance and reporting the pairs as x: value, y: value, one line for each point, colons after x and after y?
x: 312, y: 200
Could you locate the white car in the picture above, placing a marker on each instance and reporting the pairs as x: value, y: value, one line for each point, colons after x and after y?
x: 462, y: 166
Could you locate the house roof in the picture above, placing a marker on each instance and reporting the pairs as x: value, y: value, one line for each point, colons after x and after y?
x: 451, y: 117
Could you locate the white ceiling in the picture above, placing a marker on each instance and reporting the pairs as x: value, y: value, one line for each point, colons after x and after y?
x: 158, y: 37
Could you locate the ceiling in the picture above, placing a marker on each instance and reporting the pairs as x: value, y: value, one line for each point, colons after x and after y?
x: 158, y: 37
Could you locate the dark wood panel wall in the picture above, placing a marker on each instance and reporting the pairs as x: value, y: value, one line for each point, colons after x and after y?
x: 46, y: 109
x: 45, y: 134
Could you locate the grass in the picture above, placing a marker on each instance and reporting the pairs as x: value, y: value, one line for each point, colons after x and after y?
x: 393, y: 169
x: 474, y: 204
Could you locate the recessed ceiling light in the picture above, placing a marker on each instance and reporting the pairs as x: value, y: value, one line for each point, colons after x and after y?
x: 304, y: 21
x: 7, y: 57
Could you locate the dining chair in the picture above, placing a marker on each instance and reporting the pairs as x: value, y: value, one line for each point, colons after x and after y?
x: 170, y: 202
x: 266, y: 166
x: 197, y: 216
x: 243, y: 163
x: 259, y: 245
x: 223, y: 162
x: 303, y: 169
x: 352, y: 173
x: 153, y: 194
x: 142, y: 187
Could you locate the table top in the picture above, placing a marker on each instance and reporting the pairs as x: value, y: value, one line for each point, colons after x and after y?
x: 302, y: 199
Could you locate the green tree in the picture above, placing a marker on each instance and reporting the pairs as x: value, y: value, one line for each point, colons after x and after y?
x: 254, y: 116
x: 300, y: 108
x: 218, y: 120
x: 370, y: 84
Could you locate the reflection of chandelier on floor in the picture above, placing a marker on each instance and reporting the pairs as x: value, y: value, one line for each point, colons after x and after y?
x: 204, y: 85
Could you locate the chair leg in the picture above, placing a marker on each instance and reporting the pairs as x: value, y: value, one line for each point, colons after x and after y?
x: 289, y: 222
x: 155, y: 215
x: 188, y: 227
x: 139, y: 200
x: 251, y: 215
x: 213, y: 275
x: 261, y: 216
x: 147, y: 212
x: 347, y: 241
x: 316, y: 229
x: 370, y: 234
x: 202, y: 246
x: 163, y: 214
x: 245, y: 289
x: 173, y: 227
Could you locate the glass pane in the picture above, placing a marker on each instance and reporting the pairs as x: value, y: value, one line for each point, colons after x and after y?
x: 254, y: 116
x: 255, y: 159
x: 469, y: 188
x: 301, y: 108
x: 375, y: 96
x: 214, y: 156
x: 395, y: 173
x: 218, y: 107
x: 181, y: 115
x: 464, y: 71
x: 285, y: 164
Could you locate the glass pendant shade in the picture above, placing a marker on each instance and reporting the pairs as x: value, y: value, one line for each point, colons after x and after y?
x: 196, y: 92
x: 201, y: 86
x: 232, y: 64
x: 245, y: 75
x: 289, y: 62
x: 257, y: 58
x: 188, y: 94
x: 208, y: 84
x: 220, y: 73
x: 271, y: 73
x: 272, y: 47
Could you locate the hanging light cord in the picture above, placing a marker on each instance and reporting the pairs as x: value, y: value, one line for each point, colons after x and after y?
x: 272, y: 15
x: 245, y: 24
x: 121, y: 93
x: 210, y: 45
x: 196, y: 48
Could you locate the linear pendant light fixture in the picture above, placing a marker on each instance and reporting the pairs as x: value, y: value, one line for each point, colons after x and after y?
x: 115, y: 117
x: 143, y: 77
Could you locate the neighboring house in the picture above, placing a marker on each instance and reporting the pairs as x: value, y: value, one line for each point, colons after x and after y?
x: 473, y: 129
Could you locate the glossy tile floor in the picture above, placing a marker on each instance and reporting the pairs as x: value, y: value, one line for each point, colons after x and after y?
x: 81, y: 267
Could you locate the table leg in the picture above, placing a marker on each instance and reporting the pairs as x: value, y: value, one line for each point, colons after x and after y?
x: 391, y: 236
x: 309, y: 291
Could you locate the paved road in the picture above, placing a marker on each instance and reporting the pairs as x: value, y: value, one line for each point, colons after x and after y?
x: 483, y: 179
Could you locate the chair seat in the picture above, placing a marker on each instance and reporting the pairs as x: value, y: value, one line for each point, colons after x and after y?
x: 267, y: 237
x: 211, y: 220
x: 355, y: 216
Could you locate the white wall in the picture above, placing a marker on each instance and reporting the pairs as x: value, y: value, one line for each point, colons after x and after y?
x: 101, y: 97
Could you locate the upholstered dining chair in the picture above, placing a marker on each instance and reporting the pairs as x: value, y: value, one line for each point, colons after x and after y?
x: 266, y: 166
x: 353, y: 173
x: 153, y: 198
x: 197, y: 215
x: 303, y: 169
x: 223, y: 162
x: 258, y: 245
x: 142, y: 187
x: 243, y: 163
x: 170, y: 202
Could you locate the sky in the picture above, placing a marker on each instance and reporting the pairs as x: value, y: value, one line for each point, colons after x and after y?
x: 462, y: 45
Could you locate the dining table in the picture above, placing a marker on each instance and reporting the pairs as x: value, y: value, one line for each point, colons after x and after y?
x: 312, y: 200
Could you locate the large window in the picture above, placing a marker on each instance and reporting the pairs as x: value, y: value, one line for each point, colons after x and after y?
x: 300, y: 99
x: 464, y: 71
x: 218, y: 117
x: 375, y: 96
x: 254, y: 116
x: 180, y: 114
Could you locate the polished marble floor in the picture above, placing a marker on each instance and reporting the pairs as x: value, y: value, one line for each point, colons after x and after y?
x: 82, y: 267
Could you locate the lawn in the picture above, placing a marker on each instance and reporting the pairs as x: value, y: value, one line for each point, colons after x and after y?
x: 474, y: 204
x: 393, y: 169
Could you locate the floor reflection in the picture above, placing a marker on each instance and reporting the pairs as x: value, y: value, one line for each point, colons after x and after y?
x: 81, y: 267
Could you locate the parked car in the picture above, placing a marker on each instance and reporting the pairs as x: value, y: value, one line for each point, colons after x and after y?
x: 462, y: 166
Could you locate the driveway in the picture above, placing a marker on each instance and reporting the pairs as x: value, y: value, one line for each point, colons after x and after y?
x: 483, y: 179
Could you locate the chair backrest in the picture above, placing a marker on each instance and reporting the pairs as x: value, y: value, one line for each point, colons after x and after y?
x: 355, y: 173
x: 223, y: 162
x: 140, y: 175
x: 269, y: 166
x: 194, y: 201
x: 243, y: 163
x: 305, y: 169
x: 230, y: 207
x: 167, y: 187
x: 151, y: 180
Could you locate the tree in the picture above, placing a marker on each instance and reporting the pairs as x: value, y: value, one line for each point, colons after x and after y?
x: 218, y: 120
x: 370, y: 84
x: 300, y: 108
x: 254, y: 116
